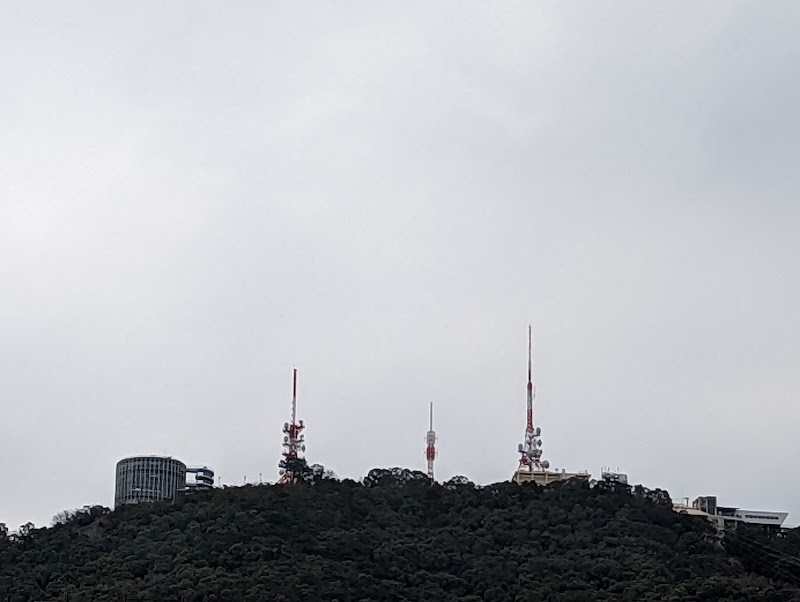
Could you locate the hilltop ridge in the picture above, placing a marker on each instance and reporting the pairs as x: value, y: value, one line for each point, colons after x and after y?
x: 392, y: 537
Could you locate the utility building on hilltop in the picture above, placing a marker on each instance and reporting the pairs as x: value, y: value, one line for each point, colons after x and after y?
x: 729, y: 517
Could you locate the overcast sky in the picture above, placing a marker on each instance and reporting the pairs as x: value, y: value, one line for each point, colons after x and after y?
x: 197, y: 196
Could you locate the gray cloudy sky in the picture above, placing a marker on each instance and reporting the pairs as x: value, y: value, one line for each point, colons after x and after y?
x: 196, y: 196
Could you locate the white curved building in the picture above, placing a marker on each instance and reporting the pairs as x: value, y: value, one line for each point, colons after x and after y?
x: 149, y: 479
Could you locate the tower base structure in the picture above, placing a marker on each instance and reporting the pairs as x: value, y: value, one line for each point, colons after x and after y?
x: 547, y: 477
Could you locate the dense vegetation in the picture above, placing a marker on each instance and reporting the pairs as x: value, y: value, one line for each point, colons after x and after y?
x: 393, y: 537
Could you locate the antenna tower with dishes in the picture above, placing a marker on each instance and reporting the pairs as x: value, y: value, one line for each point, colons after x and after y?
x: 531, y: 449
x: 430, y: 451
x: 293, y: 440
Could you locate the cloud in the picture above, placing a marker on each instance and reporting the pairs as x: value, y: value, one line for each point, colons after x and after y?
x: 193, y: 200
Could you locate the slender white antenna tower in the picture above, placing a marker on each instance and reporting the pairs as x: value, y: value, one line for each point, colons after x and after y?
x: 531, y: 450
x: 430, y: 451
x: 293, y: 439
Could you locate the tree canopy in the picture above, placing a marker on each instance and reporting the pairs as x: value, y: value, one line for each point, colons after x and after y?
x: 394, y: 536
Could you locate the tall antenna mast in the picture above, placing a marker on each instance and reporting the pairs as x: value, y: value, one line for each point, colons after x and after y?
x: 529, y: 427
x: 293, y: 439
x: 531, y: 450
x: 294, y: 391
x: 430, y: 452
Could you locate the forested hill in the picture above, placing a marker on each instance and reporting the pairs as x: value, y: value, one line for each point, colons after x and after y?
x: 395, y: 537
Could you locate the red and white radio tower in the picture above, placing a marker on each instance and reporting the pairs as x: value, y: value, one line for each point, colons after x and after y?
x: 531, y: 450
x: 293, y: 440
x: 430, y: 452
